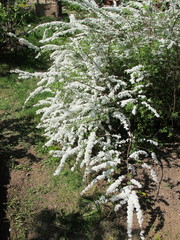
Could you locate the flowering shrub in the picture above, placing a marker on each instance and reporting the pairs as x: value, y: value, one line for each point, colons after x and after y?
x: 99, y: 83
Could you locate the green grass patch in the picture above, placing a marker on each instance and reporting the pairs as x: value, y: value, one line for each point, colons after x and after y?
x: 14, y: 92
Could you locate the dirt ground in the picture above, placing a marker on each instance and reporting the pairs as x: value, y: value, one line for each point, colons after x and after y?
x: 22, y: 169
x: 164, y: 222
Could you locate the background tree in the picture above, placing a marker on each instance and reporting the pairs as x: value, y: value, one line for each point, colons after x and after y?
x: 59, y: 8
x: 13, y: 18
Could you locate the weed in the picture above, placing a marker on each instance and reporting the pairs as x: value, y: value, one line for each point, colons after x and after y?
x: 171, y: 185
x: 157, y: 237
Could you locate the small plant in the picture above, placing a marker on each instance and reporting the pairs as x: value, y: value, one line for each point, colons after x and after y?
x: 100, y: 105
x: 157, y: 237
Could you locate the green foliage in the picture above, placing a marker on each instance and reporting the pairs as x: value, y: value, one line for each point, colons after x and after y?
x: 13, y: 18
x: 153, y: 43
x: 74, y: 180
x: 164, y: 88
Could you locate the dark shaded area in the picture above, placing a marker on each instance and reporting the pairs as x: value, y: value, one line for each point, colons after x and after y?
x: 18, y: 56
x: 88, y: 222
x: 4, y: 180
x: 50, y: 224
x: 155, y: 214
x: 12, y: 133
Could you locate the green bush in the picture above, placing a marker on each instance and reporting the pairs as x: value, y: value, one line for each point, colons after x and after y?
x: 13, y: 18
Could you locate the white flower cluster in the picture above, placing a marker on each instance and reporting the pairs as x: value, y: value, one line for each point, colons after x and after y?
x: 86, y: 114
x: 23, y: 41
x: 152, y: 172
x: 128, y: 196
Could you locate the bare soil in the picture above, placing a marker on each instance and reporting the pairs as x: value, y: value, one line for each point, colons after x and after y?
x: 164, y: 217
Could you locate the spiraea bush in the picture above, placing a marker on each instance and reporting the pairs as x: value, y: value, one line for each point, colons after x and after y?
x: 113, y: 70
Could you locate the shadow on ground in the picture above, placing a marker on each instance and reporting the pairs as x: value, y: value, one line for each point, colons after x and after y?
x: 51, y: 224
x: 16, y: 137
x: 4, y: 181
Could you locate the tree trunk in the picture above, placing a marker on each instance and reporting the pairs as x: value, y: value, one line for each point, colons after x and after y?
x: 59, y: 8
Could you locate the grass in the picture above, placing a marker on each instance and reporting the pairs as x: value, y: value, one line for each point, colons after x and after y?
x: 14, y: 92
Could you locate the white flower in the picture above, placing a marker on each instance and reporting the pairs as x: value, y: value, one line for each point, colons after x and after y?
x: 154, y: 157
x: 112, y: 188
x: 152, y: 172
